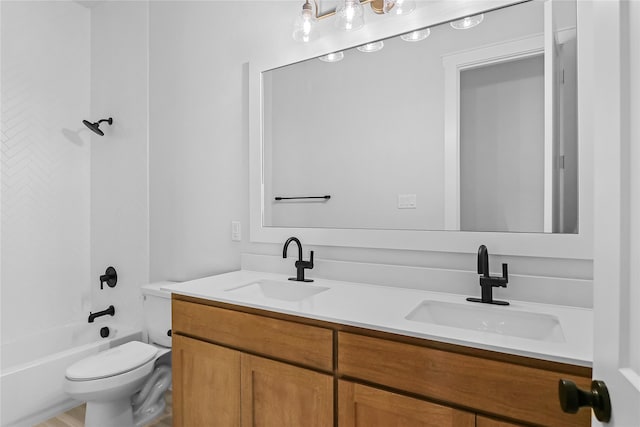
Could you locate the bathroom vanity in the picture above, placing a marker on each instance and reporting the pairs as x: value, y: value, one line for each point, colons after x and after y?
x: 248, y: 351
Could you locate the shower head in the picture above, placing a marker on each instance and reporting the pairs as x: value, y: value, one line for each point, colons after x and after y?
x: 96, y: 126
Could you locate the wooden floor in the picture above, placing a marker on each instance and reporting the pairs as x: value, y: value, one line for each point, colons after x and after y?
x: 75, y: 417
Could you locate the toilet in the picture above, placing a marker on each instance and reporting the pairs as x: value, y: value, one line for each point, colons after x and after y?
x: 124, y: 386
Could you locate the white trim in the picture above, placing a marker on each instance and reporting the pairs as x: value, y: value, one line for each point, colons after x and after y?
x: 550, y: 112
x: 631, y: 377
x: 613, y: 27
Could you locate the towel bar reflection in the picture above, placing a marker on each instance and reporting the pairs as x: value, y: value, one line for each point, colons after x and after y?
x: 327, y: 197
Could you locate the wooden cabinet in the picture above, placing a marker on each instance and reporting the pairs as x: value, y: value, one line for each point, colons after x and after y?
x: 490, y: 422
x: 294, y: 342
x: 218, y: 382
x: 363, y: 406
x: 497, y: 387
x: 276, y: 394
x: 206, y: 384
x: 237, y: 366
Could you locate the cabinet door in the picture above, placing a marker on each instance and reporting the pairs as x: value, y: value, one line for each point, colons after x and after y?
x: 363, y: 406
x: 206, y: 384
x: 275, y: 394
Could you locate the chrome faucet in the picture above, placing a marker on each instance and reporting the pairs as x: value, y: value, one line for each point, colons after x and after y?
x: 488, y: 282
x: 300, y: 264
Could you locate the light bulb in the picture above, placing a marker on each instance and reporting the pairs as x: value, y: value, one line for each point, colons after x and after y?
x: 349, y: 12
x: 467, y: 22
x: 416, y: 36
x: 371, y: 47
x: 306, y: 27
x: 349, y: 16
x: 303, y: 24
x: 398, y: 7
x: 332, y: 57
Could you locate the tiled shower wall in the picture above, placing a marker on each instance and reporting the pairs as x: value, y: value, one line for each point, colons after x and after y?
x: 45, y: 203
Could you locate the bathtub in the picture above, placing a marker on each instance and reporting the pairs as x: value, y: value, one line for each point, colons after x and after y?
x: 33, y: 369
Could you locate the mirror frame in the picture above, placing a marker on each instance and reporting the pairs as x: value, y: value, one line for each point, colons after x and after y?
x: 569, y: 246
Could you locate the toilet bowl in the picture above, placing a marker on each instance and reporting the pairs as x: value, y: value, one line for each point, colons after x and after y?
x: 124, y: 386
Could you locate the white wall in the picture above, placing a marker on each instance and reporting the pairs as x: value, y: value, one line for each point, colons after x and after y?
x: 119, y: 160
x: 362, y: 130
x: 45, y: 166
x: 198, y: 150
x: 199, y: 145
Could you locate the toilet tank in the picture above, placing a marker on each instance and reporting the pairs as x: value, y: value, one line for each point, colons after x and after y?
x: 157, y: 313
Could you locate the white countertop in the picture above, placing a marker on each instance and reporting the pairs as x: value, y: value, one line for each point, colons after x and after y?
x: 384, y: 309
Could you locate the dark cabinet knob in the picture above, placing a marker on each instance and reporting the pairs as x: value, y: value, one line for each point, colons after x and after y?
x: 572, y: 399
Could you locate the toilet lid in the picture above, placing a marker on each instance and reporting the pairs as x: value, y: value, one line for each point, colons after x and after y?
x: 114, y: 361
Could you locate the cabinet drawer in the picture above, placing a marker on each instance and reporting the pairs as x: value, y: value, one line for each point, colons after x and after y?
x: 290, y: 341
x: 363, y: 406
x: 504, y: 389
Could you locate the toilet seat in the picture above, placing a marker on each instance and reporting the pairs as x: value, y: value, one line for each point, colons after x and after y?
x: 110, y: 387
x: 112, y: 362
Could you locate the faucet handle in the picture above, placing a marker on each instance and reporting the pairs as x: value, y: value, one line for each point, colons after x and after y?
x: 110, y: 277
x: 305, y: 264
x: 505, y: 273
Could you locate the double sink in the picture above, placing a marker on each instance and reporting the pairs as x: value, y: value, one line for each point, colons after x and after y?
x: 501, y: 320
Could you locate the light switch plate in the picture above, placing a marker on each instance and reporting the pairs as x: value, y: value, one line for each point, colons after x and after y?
x: 236, y: 232
x: 406, y: 201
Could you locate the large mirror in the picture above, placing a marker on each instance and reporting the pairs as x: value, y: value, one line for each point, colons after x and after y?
x: 467, y: 129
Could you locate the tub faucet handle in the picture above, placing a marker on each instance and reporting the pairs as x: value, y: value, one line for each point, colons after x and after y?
x: 110, y: 277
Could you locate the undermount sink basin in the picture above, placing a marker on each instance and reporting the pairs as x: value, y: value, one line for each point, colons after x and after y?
x: 486, y: 318
x: 279, y: 290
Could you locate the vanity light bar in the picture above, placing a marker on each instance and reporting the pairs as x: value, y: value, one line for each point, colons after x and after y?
x: 349, y: 14
x: 413, y: 36
x: 378, y: 6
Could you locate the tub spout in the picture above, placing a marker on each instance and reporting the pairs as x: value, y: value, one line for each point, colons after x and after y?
x: 109, y: 311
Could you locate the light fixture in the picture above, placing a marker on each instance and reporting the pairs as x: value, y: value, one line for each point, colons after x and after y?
x: 332, y: 57
x: 371, y: 47
x: 349, y: 14
x: 303, y: 23
x: 399, y: 7
x: 416, y: 36
x: 467, y: 22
